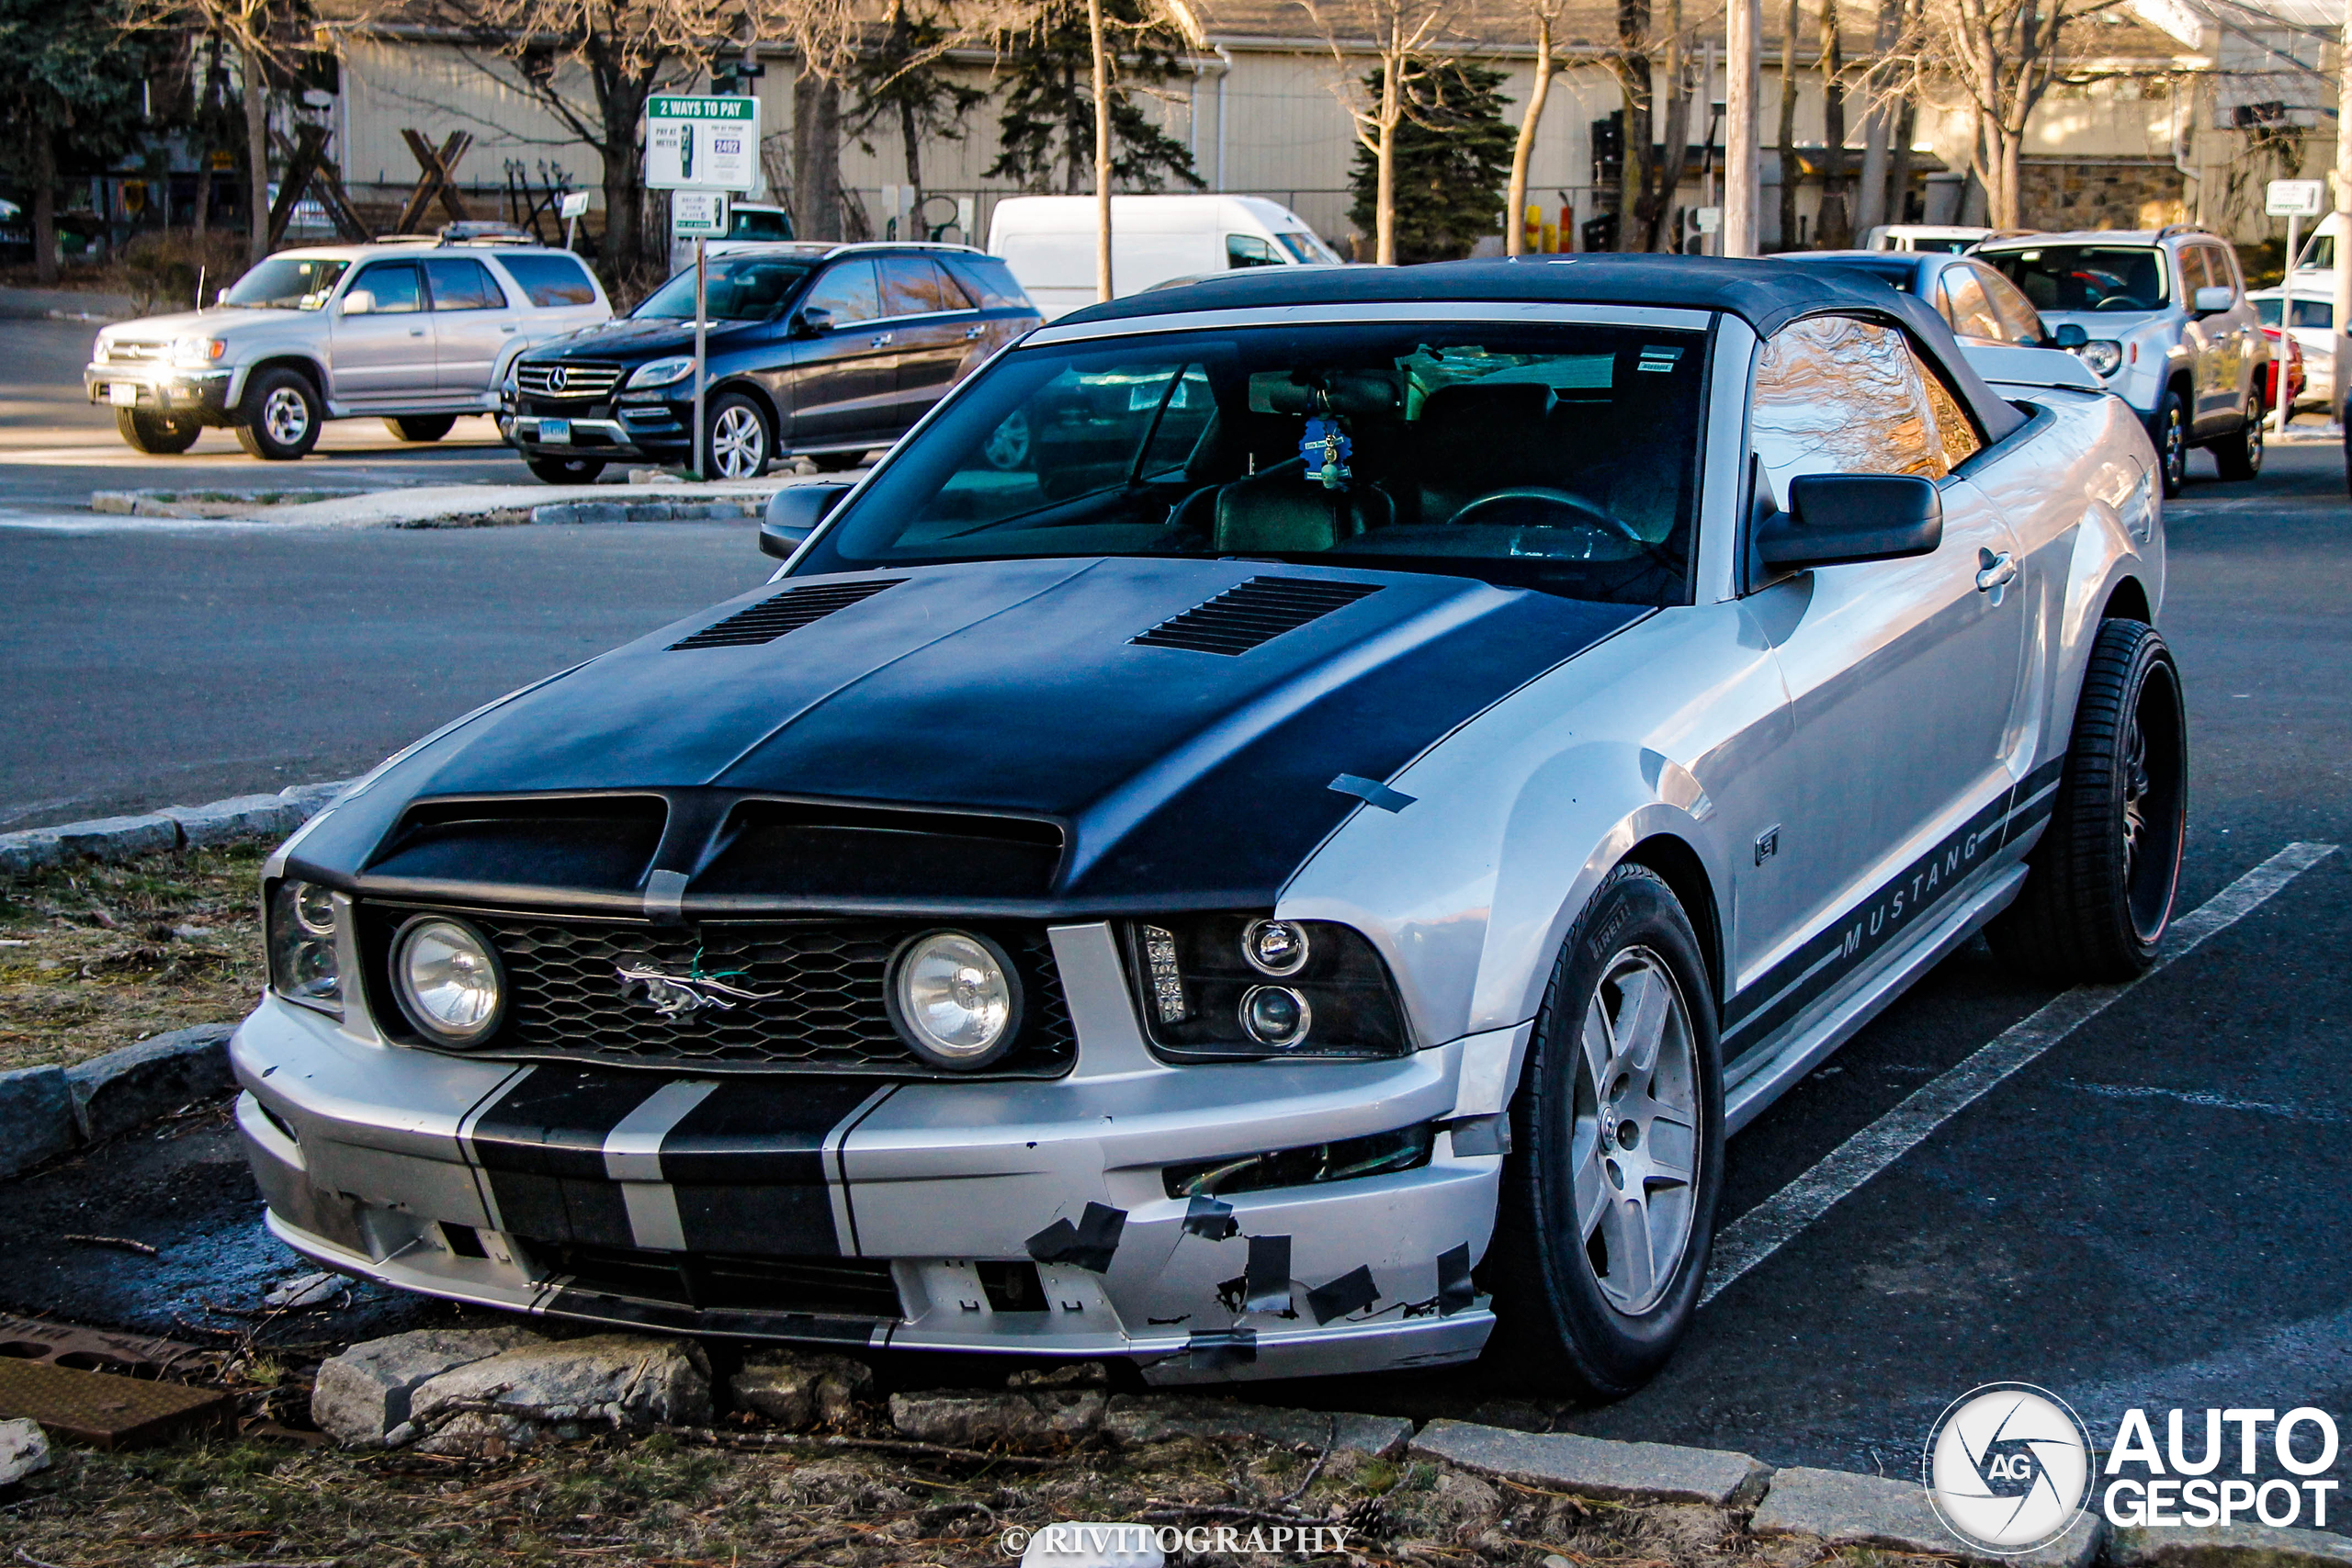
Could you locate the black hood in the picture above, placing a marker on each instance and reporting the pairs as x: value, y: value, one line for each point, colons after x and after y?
x: 631, y: 340
x: 1151, y: 772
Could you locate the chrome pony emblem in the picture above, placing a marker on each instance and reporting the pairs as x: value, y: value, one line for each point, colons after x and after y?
x: 675, y: 996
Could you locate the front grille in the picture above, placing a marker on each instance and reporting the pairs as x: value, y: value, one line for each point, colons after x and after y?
x: 845, y: 1287
x: 566, y: 379
x: 823, y: 1008
x: 122, y: 353
x: 1251, y: 614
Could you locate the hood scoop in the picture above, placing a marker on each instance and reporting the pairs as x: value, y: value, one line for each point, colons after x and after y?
x: 787, y: 611
x: 1251, y: 614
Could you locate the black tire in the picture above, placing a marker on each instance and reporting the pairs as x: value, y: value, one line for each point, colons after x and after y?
x: 280, y: 417
x: 739, y: 440
x: 2239, y: 456
x: 2103, y: 877
x: 835, y: 462
x: 566, y: 470
x: 157, y: 434
x: 422, y: 427
x: 1559, y: 1324
x: 2172, y: 444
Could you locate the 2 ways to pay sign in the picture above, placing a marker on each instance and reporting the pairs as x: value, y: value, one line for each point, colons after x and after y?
x: 701, y: 148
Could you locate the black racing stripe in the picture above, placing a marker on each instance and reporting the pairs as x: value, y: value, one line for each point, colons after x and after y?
x: 542, y: 1146
x: 729, y: 1321
x: 747, y: 1166
x: 776, y: 1220
x: 1802, y: 979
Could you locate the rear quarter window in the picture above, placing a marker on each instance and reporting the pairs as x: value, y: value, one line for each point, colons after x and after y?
x: 552, y: 281
x: 990, y: 281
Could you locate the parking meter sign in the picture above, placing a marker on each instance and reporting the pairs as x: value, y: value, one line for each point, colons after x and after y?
x: 702, y: 143
x: 697, y: 214
x: 2296, y: 198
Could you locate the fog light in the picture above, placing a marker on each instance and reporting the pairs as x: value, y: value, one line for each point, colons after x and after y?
x: 1275, y: 1015
x: 1274, y: 947
x: 449, y: 980
x: 955, y: 1000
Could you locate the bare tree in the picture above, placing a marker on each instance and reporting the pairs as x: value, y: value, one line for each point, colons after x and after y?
x: 1404, y: 33
x: 263, y: 34
x: 1546, y: 15
x: 1833, y: 230
x: 2004, y: 54
x: 1792, y: 19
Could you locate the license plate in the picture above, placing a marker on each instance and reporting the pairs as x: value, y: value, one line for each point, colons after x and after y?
x: 556, y: 432
x: 123, y: 394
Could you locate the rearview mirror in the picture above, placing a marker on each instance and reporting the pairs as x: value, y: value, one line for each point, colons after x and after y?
x: 813, y: 321
x: 2215, y: 296
x: 1835, y: 519
x: 793, y: 514
x: 358, y: 302
x: 2071, y: 336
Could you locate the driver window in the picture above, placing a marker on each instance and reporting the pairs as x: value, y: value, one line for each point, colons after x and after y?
x: 395, y: 289
x: 1248, y: 250
x: 1965, y: 306
x: 848, y: 291
x: 1839, y: 396
x: 2193, y: 274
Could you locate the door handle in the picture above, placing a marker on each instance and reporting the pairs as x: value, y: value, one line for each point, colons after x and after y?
x: 416, y: 332
x: 881, y: 340
x: 971, y: 332
x: 1995, y: 572
x: 508, y: 327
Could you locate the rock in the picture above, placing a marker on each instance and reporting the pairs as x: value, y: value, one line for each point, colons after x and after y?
x: 311, y: 799
x: 1022, y: 1417
x: 305, y: 1290
x: 2225, y: 1546
x: 24, y: 1448
x: 148, y: 1081
x: 23, y: 853
x: 367, y: 1391
x: 1594, y: 1467
x: 1161, y: 1417
x: 797, y: 1390
x: 1070, y: 1374
x: 36, y: 1116
x: 240, y: 817
x: 1841, y: 1509
x: 605, y: 1383
x: 118, y: 838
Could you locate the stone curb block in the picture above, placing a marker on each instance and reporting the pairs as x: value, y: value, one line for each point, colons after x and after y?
x: 36, y: 1116
x: 148, y: 1081
x: 1841, y: 1509
x: 1595, y: 1467
x: 174, y: 826
x: 577, y: 512
x: 2226, y: 1546
x: 239, y: 816
x: 1158, y: 1419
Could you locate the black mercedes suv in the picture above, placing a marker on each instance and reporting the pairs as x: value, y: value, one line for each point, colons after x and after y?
x: 815, y: 350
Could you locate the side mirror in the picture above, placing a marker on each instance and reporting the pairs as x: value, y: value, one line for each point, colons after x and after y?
x: 2071, y: 336
x: 1835, y: 519
x: 358, y: 302
x: 813, y: 321
x: 793, y: 514
x: 2215, y: 296
x: 219, y: 296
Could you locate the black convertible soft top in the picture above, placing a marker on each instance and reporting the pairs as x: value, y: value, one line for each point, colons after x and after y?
x: 1767, y: 295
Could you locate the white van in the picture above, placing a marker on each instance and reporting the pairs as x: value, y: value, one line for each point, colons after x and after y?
x: 1048, y: 240
x: 1954, y: 239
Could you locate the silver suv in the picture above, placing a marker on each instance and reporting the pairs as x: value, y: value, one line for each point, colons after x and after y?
x: 412, y: 331
x: 2169, y: 331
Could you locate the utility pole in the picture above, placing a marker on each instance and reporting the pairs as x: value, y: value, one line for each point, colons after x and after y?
x: 1102, y: 152
x: 1742, y: 78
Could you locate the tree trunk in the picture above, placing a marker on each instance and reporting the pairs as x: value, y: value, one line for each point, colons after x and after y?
x: 204, y: 143
x: 1831, y: 229
x: 1792, y: 19
x: 913, y: 142
x: 1515, y: 204
x: 1101, y: 151
x: 2003, y: 189
x: 44, y: 151
x: 256, y: 97
x: 1675, y: 134
x: 1898, y: 173
x: 1383, y: 248
x: 816, y: 157
x: 1635, y: 202
x: 1742, y: 74
x: 1869, y: 207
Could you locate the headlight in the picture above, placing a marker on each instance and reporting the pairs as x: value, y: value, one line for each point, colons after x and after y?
x: 301, y: 940
x: 661, y: 372
x: 448, y: 979
x: 2104, y: 357
x: 1227, y: 987
x: 198, y: 350
x: 954, y: 999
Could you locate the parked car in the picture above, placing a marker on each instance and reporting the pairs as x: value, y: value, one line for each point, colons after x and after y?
x: 2309, y: 319
x: 1950, y: 239
x: 1048, y: 240
x: 1976, y: 300
x: 2169, y: 329
x: 817, y: 350
x: 412, y: 331
x: 1300, y: 877
x: 749, y: 224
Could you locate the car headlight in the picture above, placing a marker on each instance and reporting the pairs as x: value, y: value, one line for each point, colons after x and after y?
x: 300, y: 925
x: 2104, y: 357
x: 448, y: 980
x: 661, y: 372
x: 955, y: 999
x: 1239, y: 986
x: 198, y: 350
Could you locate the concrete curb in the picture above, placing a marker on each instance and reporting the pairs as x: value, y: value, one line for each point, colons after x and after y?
x: 1840, y: 1509
x: 50, y: 1110
x: 460, y: 505
x: 1595, y: 1467
x: 2227, y: 1546
x: 113, y: 839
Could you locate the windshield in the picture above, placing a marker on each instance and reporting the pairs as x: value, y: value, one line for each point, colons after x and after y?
x: 740, y: 288
x: 287, y: 283
x: 2085, y: 278
x: 2319, y: 313
x: 1556, y: 457
x: 1305, y: 247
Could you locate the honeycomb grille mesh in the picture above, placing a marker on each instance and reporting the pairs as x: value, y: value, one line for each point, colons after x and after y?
x: 822, y: 1010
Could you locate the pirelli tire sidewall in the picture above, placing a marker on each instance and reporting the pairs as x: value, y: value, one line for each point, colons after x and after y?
x: 1554, y: 1326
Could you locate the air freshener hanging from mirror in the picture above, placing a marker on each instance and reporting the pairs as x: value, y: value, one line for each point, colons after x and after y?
x: 1326, y: 448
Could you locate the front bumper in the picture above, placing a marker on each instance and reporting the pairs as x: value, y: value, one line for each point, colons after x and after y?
x: 935, y: 1199
x: 160, y: 388
x: 627, y: 429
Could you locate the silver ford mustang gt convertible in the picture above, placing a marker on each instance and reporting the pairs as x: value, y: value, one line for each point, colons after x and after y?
x: 1278, y: 832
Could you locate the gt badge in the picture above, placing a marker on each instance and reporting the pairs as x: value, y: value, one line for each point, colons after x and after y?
x: 675, y: 996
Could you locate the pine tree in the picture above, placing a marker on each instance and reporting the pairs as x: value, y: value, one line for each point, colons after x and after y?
x: 904, y: 82
x: 1454, y: 153
x: 1048, y: 126
x: 73, y: 99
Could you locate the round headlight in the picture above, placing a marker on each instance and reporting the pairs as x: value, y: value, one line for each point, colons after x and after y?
x: 954, y: 999
x: 1275, y: 1015
x: 1274, y: 947
x: 314, y: 909
x: 449, y: 980
x: 2104, y: 357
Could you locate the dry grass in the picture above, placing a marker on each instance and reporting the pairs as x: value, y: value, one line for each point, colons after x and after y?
x: 96, y: 957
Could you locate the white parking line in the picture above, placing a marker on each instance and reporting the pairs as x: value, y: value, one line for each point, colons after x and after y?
x: 1771, y: 1225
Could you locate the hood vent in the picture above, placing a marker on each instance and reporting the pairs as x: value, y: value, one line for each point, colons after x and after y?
x: 788, y: 611
x: 1253, y: 613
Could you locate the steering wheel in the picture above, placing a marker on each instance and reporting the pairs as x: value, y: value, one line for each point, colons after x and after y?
x: 1587, y: 513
